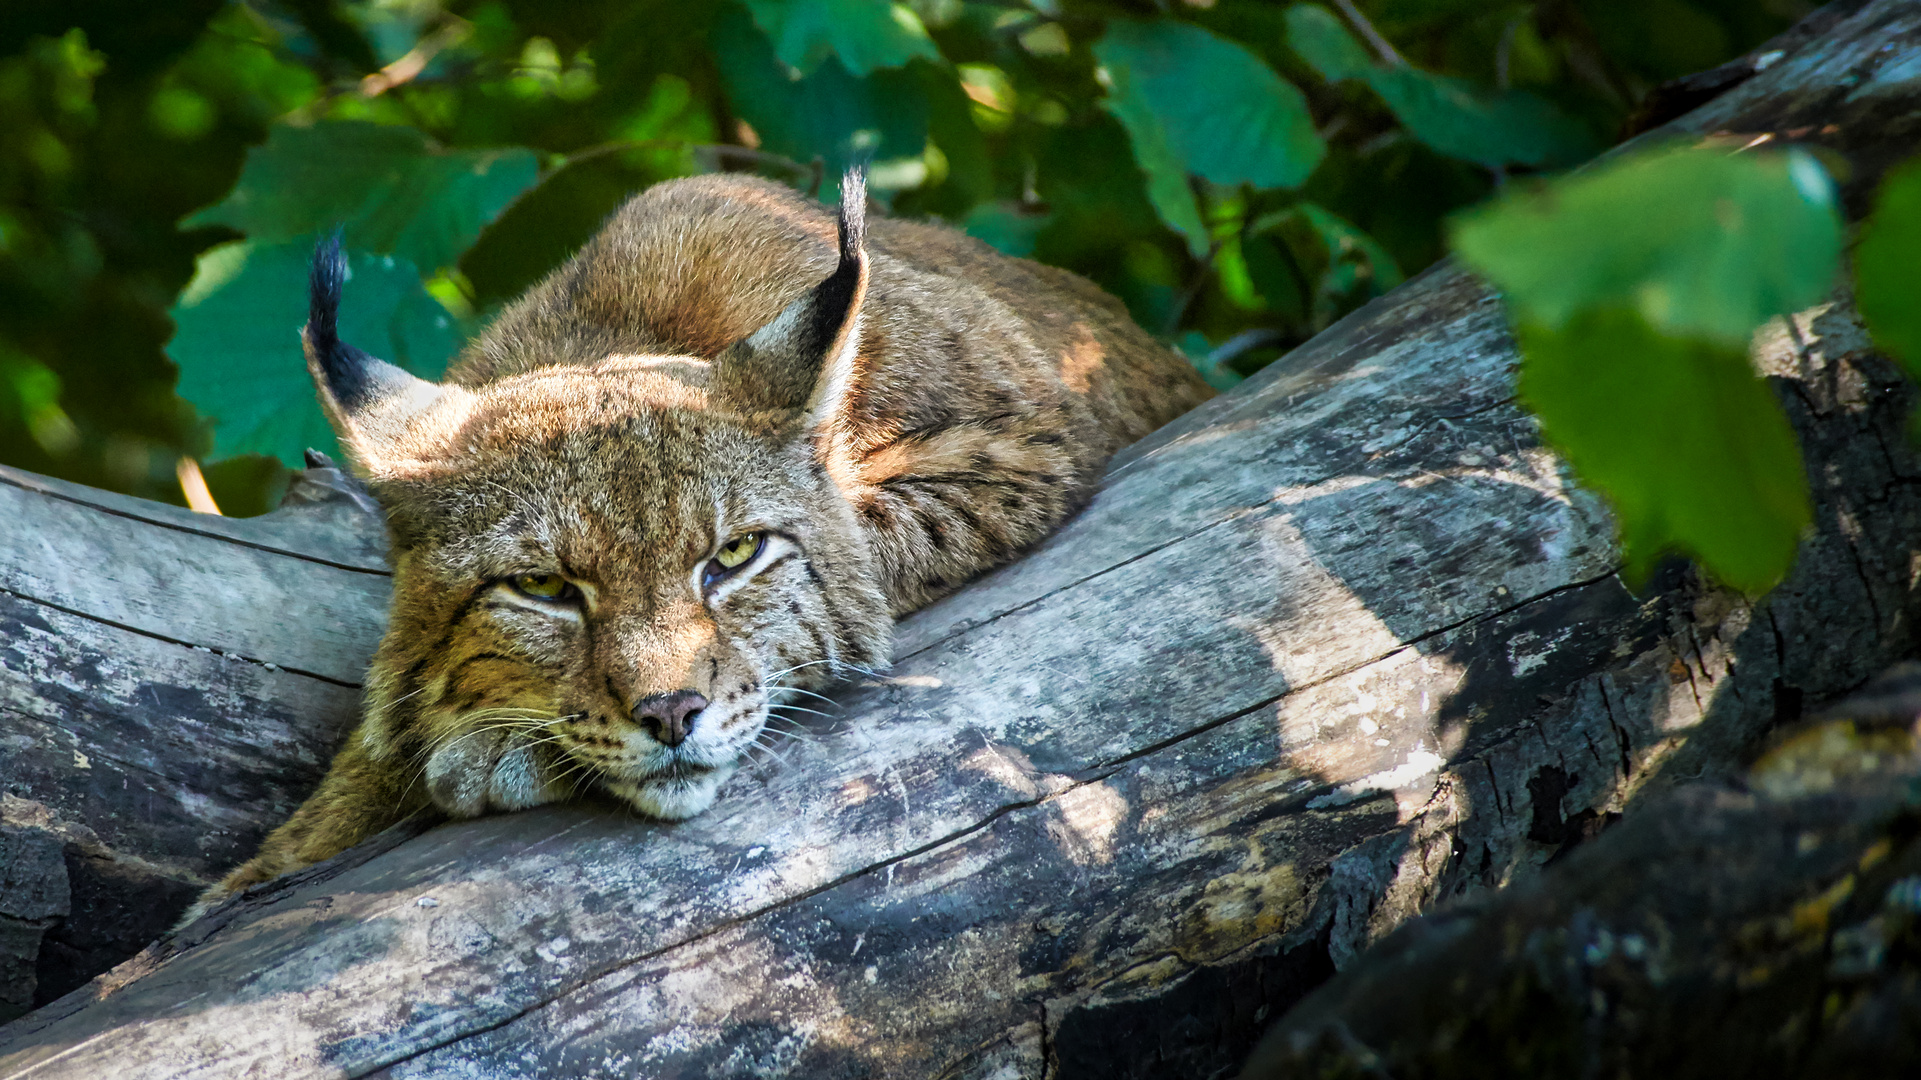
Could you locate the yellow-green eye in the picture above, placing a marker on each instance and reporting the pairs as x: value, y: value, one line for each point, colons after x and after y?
x: 545, y: 586
x: 738, y: 550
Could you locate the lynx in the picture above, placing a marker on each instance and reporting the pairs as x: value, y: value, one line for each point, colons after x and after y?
x: 699, y: 468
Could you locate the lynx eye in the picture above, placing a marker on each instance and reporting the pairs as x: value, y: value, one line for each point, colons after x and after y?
x: 543, y: 586
x: 733, y: 555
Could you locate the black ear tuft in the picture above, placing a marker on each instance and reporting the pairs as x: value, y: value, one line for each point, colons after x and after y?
x: 853, y: 214
x: 803, y: 359
x: 353, y: 377
x: 324, y: 283
x: 833, y: 305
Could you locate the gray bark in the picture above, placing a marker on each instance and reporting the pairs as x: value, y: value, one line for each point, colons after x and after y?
x: 1332, y: 648
x: 171, y: 686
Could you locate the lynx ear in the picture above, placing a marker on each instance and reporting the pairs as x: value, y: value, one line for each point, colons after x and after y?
x: 804, y: 360
x: 370, y: 402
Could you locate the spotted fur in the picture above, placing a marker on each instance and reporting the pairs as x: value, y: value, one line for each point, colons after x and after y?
x: 893, y: 411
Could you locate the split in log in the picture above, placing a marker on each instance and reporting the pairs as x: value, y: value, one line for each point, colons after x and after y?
x: 1335, y: 647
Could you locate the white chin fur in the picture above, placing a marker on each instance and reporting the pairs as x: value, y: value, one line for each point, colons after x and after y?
x: 671, y: 799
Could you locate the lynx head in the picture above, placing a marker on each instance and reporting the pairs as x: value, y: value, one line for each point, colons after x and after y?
x: 605, y: 575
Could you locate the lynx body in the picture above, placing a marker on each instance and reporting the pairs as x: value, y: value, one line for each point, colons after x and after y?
x: 700, y: 467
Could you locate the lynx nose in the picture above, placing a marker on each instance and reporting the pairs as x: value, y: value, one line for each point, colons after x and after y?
x: 669, y: 717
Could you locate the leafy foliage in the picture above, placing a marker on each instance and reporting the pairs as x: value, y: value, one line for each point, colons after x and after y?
x: 1237, y: 181
x: 1635, y: 352
x: 392, y: 191
x: 1453, y: 116
x: 1690, y: 447
x: 239, y: 318
x: 1194, y: 103
x: 862, y: 34
x: 1697, y: 241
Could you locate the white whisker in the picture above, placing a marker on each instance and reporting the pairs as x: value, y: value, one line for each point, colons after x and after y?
x: 811, y: 694
x: 799, y: 708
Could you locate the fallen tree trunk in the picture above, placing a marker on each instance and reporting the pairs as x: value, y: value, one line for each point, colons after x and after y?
x: 1334, y: 647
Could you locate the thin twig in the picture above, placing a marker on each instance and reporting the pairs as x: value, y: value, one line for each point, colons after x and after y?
x: 409, y: 66
x: 1373, y: 36
x: 1504, y: 54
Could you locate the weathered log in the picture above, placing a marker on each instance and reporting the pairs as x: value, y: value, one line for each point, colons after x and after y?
x: 171, y: 685
x: 1760, y: 930
x: 1335, y: 647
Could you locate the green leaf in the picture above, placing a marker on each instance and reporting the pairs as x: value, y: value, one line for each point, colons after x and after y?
x: 1688, y: 444
x: 1700, y: 242
x: 1167, y: 185
x: 1471, y: 123
x: 1319, y: 37
x: 1887, y: 290
x: 395, y: 193
x: 830, y: 113
x: 237, y: 341
x: 1196, y: 103
x: 865, y: 34
x: 1449, y: 115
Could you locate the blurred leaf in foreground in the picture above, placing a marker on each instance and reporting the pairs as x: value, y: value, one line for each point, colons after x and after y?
x: 1691, y: 449
x: 1887, y: 287
x: 238, y: 340
x: 1698, y: 241
x: 1634, y: 355
x: 864, y: 34
x: 1196, y: 103
x: 396, y: 193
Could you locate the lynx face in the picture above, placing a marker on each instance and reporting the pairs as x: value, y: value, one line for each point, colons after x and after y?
x: 607, y: 574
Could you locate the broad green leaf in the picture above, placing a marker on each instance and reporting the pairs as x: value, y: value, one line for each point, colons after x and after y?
x: 1685, y: 440
x: 1700, y: 242
x: 1887, y: 289
x: 1167, y: 184
x: 865, y: 34
x: 1449, y: 115
x: 830, y: 113
x: 1196, y: 103
x: 237, y: 340
x: 395, y: 193
x: 1471, y: 123
x: 1319, y: 37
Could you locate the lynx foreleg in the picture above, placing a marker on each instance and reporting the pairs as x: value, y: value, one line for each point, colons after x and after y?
x: 359, y: 796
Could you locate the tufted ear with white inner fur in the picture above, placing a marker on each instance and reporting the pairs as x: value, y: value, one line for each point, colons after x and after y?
x: 803, y: 361
x: 374, y: 407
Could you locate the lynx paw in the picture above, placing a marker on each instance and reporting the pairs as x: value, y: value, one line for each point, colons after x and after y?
x: 472, y: 774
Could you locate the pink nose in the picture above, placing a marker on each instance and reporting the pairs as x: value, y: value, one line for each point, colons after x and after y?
x: 669, y: 717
